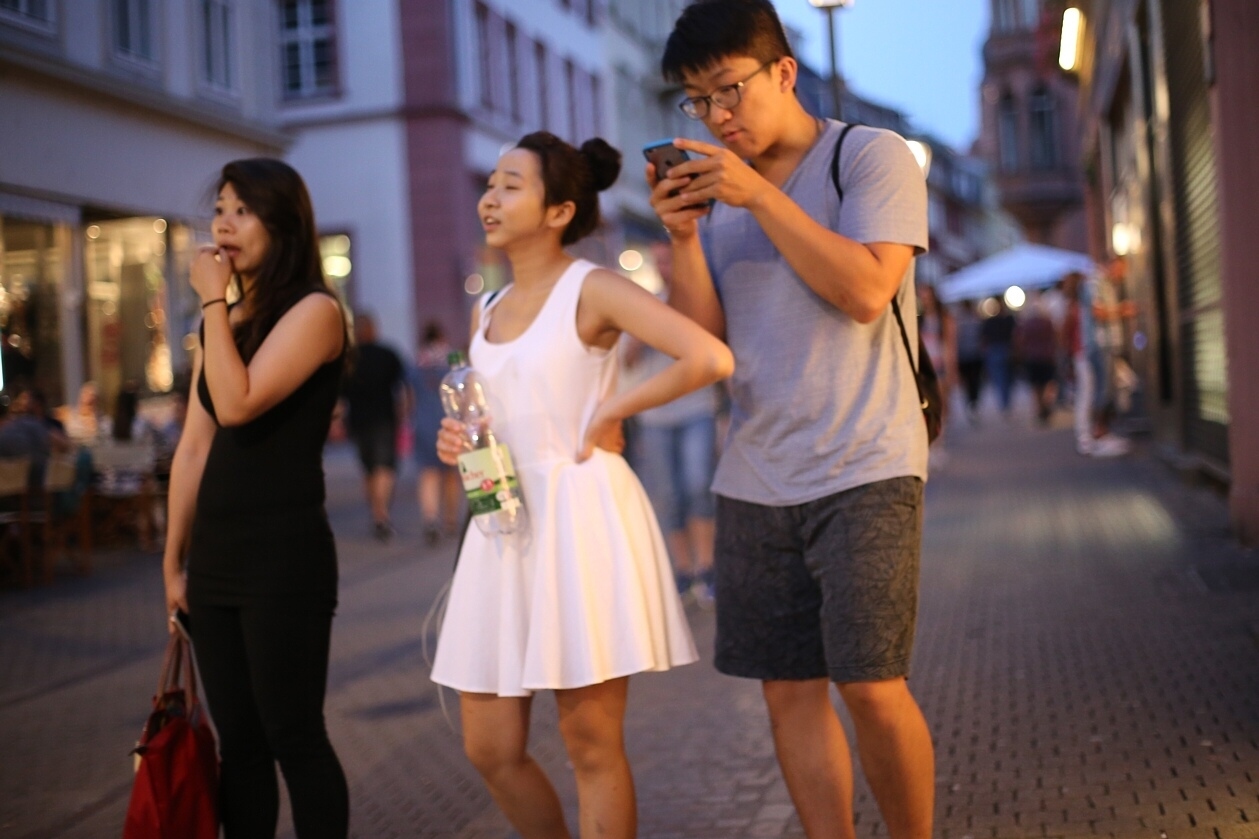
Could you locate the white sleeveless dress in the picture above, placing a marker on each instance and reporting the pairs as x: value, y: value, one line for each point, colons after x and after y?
x: 588, y: 595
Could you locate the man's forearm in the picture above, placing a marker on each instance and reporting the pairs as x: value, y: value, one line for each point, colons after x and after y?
x: 847, y: 274
x: 692, y: 291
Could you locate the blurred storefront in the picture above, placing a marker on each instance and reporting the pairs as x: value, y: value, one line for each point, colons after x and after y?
x: 1169, y: 120
x: 92, y: 299
x: 114, y: 130
x: 34, y: 256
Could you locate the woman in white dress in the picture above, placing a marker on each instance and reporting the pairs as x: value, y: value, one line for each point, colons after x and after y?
x: 586, y: 598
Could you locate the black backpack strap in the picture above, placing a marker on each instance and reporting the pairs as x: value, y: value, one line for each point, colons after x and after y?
x: 839, y: 145
x: 896, y: 308
x: 909, y: 353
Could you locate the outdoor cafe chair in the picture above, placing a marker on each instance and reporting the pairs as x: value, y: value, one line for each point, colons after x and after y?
x: 15, y: 475
x: 60, y: 475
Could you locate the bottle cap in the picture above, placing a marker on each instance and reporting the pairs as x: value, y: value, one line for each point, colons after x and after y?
x: 456, y: 358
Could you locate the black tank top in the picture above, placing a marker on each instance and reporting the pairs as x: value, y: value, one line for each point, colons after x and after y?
x: 260, y: 520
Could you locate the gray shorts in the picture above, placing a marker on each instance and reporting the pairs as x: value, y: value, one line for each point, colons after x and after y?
x: 824, y: 589
x: 377, y: 446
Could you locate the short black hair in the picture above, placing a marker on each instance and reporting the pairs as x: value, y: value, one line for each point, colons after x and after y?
x: 709, y: 30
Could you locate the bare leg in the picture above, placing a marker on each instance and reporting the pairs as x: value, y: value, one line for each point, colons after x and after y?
x: 700, y: 535
x: 428, y: 489
x: 452, y: 489
x: 896, y: 754
x: 592, y: 724
x: 380, y: 493
x: 495, y: 737
x: 813, y: 753
x: 680, y: 549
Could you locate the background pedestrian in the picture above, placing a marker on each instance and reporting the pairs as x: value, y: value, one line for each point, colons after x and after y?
x: 1036, y: 347
x: 376, y: 401
x: 970, y: 356
x: 439, y: 492
x: 997, y: 333
x: 674, y: 453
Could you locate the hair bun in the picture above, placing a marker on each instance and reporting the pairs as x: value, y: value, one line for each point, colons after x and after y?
x: 605, y: 162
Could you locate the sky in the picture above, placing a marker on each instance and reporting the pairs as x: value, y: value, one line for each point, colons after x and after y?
x: 922, y: 57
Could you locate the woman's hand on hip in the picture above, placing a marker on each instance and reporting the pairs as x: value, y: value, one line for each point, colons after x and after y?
x: 606, y: 431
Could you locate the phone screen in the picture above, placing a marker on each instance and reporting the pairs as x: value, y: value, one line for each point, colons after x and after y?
x: 664, y: 156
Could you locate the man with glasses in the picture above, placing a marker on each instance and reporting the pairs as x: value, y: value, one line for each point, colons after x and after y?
x: 819, y: 513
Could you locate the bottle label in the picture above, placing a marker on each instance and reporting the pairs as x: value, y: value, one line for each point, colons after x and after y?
x: 489, y: 480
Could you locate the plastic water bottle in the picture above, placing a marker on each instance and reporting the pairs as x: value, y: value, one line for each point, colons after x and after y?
x: 489, y: 478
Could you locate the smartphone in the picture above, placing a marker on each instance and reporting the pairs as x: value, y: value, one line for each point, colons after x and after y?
x: 664, y: 156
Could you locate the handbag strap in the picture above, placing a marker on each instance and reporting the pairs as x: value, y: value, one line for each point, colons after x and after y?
x: 896, y: 308
x: 178, y: 670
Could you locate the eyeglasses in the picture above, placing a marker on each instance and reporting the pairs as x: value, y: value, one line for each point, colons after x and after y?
x: 726, y: 97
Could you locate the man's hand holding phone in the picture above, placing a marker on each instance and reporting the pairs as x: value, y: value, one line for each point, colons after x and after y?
x: 684, y: 189
x: 679, y: 215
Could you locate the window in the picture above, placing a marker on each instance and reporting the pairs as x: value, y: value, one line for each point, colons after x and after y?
x: 334, y: 250
x: 540, y: 79
x: 596, y: 106
x: 133, y: 30
x: 1031, y: 13
x: 37, y: 14
x: 1044, y: 130
x: 1015, y: 15
x: 216, y: 34
x: 1008, y: 134
x: 127, y: 304
x: 1003, y: 16
x: 308, y: 45
x: 485, y: 54
x: 570, y: 92
x: 513, y: 71
x: 33, y: 265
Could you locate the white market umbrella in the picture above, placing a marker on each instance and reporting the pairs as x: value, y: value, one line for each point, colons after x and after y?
x: 1024, y: 265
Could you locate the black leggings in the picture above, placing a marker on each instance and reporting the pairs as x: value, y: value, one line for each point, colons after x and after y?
x: 265, y: 670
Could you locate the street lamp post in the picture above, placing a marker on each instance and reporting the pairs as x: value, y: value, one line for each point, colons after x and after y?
x: 829, y: 6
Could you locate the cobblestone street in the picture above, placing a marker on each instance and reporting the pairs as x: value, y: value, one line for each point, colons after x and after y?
x: 1087, y: 660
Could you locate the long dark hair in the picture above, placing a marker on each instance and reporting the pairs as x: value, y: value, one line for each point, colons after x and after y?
x: 577, y: 175
x: 276, y: 194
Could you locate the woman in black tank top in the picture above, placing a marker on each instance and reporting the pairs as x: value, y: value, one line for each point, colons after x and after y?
x: 249, y: 553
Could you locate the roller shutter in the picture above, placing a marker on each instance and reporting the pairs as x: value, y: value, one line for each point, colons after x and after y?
x: 1204, y: 371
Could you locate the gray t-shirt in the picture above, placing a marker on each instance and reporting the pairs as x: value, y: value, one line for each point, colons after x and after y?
x: 820, y: 402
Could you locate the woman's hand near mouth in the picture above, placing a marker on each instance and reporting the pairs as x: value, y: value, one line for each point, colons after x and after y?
x: 211, y: 272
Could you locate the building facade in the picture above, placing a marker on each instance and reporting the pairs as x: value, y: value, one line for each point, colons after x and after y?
x: 965, y: 219
x: 1169, y: 119
x: 400, y: 110
x: 1028, y: 133
x: 118, y: 115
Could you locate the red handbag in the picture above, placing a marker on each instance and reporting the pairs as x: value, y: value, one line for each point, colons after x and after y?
x: 175, y: 794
